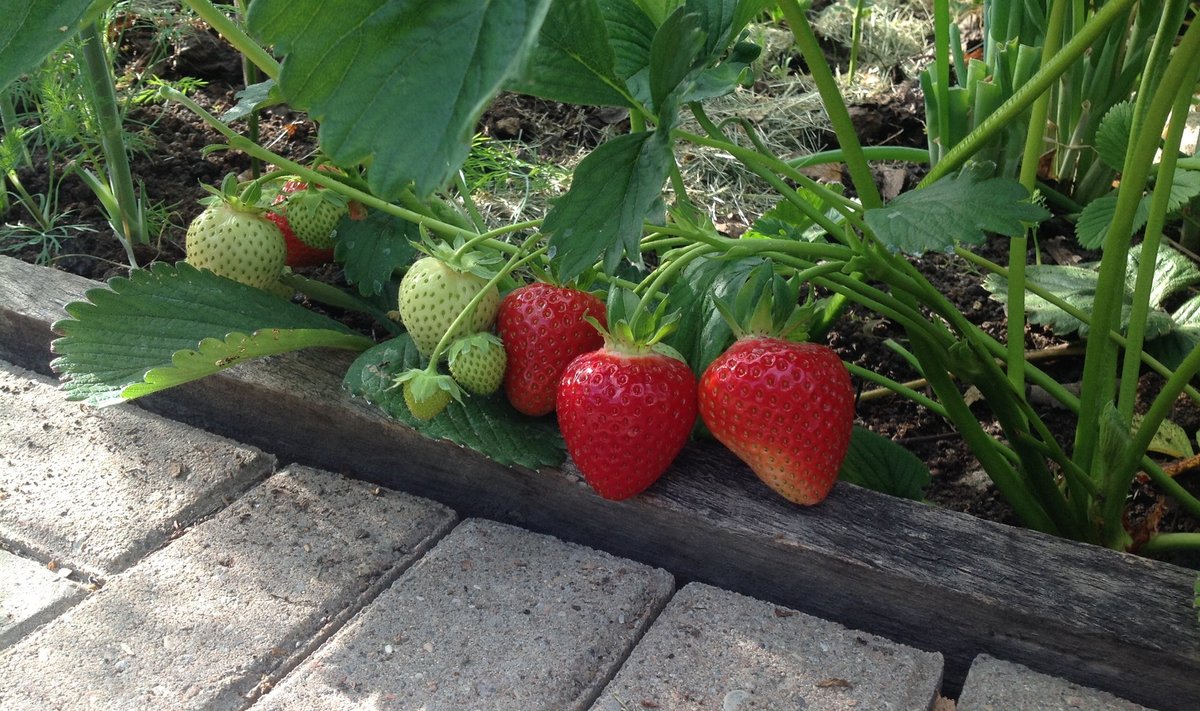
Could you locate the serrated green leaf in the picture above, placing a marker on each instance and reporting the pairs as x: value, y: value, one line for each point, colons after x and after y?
x: 168, y: 325
x: 674, y: 53
x: 1112, y: 137
x: 33, y: 29
x: 1077, y: 287
x: 630, y: 33
x: 486, y: 424
x: 876, y: 462
x: 957, y: 209
x: 1170, y: 439
x: 573, y: 60
x: 398, y: 84
x: 1173, y: 272
x: 1173, y: 347
x: 371, y: 249
x: 786, y: 221
x: 1092, y: 226
x: 251, y: 99
x: 701, y: 334
x: 612, y: 194
x: 1184, y: 186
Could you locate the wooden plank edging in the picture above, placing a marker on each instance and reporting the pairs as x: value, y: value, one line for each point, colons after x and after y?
x: 935, y: 579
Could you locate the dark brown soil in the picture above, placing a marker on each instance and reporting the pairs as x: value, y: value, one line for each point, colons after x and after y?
x: 176, y: 165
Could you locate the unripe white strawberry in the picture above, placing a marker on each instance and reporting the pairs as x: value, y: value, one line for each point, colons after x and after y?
x: 432, y: 294
x: 477, y: 363
x: 237, y: 243
x: 313, y: 216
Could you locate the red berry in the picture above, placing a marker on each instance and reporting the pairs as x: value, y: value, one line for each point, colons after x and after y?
x: 299, y: 254
x: 625, y: 417
x: 543, y: 330
x: 786, y: 409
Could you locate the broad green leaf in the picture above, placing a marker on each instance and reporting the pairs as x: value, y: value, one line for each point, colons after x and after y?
x: 1173, y: 272
x: 956, y: 209
x: 398, y: 83
x: 726, y: 76
x: 630, y: 33
x: 878, y: 463
x: 1112, y: 137
x: 486, y: 424
x: 168, y: 325
x: 1077, y: 287
x: 701, y: 333
x: 1173, y: 347
x: 372, y: 249
x: 675, y: 52
x: 1092, y: 226
x: 612, y: 193
x: 251, y: 99
x: 573, y: 60
x: 786, y: 221
x: 658, y: 10
x: 31, y: 30
x: 1170, y: 439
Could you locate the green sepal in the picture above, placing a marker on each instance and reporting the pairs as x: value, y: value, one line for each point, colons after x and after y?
x: 427, y: 393
x: 481, y: 262
x: 768, y: 305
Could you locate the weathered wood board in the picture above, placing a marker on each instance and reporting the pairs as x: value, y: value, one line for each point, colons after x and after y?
x: 931, y: 578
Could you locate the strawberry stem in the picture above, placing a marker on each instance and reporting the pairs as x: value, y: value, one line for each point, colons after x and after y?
x: 515, y: 261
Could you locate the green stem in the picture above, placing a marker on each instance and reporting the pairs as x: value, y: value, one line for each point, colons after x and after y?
x: 872, y: 153
x: 1023, y: 97
x: 835, y: 105
x: 666, y: 272
x: 1170, y: 543
x: 250, y: 75
x: 333, y: 296
x: 236, y: 36
x: 1100, y: 362
x: 324, y: 179
x: 463, y: 316
x: 104, y: 97
x: 899, y: 388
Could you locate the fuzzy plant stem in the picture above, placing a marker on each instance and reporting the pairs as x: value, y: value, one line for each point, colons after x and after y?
x: 835, y: 105
x: 128, y: 223
x: 250, y: 75
x: 1035, y: 142
x: 463, y: 316
x: 1100, y: 363
x: 1023, y: 97
x: 872, y: 153
x: 236, y: 36
x: 1170, y: 543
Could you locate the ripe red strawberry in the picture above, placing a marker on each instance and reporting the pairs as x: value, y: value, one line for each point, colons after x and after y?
x: 234, y: 240
x: 543, y: 330
x: 625, y: 412
x: 299, y: 254
x: 307, y: 217
x: 786, y: 409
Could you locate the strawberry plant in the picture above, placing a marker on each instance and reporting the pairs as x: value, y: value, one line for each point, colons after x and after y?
x: 396, y: 89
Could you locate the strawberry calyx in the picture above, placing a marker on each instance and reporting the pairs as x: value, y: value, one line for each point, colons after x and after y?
x: 426, y: 392
x: 634, y: 332
x: 768, y: 306
x: 232, y: 194
x: 459, y: 257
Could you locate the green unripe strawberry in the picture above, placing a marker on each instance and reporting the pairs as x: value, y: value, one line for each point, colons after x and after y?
x: 428, y: 408
x: 477, y: 362
x: 432, y: 294
x: 236, y: 242
x: 427, y: 393
x: 313, y: 216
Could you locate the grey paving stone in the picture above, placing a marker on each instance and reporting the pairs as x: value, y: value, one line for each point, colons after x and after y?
x: 31, y: 594
x: 229, y: 607
x: 996, y: 685
x: 713, y: 649
x: 96, y: 489
x: 494, y: 618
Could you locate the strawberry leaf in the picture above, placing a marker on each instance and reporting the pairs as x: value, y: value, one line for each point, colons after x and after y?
x: 957, y: 209
x: 702, y: 333
x: 169, y: 325
x: 878, y: 463
x: 610, y: 198
x: 486, y: 424
x: 32, y: 30
x: 1112, y: 137
x: 574, y: 60
x: 371, y: 249
x: 398, y: 84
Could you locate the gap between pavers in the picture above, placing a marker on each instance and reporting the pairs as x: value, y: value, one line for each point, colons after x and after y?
x: 31, y: 594
x: 996, y: 685
x: 715, y: 649
x: 494, y: 618
x: 225, y: 610
x: 95, y: 489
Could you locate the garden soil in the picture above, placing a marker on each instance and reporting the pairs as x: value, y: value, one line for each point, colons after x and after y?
x: 176, y: 164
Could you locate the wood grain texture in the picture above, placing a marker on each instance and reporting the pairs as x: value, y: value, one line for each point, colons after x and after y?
x: 928, y: 577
